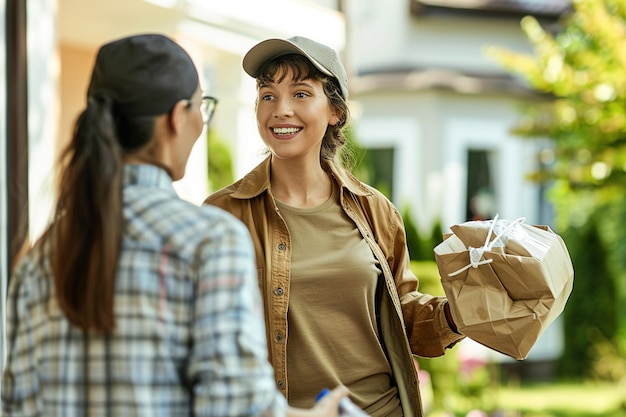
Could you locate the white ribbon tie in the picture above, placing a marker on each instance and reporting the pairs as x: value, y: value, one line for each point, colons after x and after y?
x: 476, y: 254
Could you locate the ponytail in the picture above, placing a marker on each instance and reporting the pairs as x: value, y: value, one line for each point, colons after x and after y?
x: 88, y: 226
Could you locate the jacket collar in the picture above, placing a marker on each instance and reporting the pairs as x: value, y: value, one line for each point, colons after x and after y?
x: 257, y: 181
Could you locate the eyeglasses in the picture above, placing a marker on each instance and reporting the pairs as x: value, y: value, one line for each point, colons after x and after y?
x: 208, y: 108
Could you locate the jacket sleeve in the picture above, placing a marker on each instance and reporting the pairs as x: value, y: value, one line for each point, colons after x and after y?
x: 424, y: 317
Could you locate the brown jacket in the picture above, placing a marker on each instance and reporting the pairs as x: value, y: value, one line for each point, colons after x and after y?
x: 411, y: 322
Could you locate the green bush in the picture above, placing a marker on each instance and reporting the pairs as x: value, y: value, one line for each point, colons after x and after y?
x: 219, y: 160
x: 435, y: 238
x: 413, y: 240
x: 421, y: 248
x: 591, y: 314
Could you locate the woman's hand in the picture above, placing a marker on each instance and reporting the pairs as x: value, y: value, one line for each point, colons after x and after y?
x: 327, y: 406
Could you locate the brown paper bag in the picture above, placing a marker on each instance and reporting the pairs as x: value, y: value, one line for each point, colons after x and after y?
x: 506, y: 281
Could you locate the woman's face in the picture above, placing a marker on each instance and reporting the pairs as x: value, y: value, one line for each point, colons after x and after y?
x: 191, y: 130
x: 292, y: 116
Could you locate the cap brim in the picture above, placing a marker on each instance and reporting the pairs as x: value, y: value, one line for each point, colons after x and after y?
x: 270, y: 49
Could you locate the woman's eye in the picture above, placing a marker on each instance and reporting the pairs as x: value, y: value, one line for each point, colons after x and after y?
x: 301, y: 94
x: 266, y: 97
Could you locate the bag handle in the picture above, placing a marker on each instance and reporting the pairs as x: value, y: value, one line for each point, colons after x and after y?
x: 476, y: 254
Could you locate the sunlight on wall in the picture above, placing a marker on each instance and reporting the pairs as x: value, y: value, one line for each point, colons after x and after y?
x: 43, y: 110
x: 286, y: 17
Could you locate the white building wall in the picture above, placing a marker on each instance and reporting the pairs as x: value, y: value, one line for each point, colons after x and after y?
x: 457, y: 42
x: 512, y: 193
x: 378, y: 31
x: 386, y: 35
x: 440, y: 129
x: 401, y: 132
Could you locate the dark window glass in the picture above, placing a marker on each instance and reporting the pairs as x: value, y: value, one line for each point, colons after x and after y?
x: 480, y: 201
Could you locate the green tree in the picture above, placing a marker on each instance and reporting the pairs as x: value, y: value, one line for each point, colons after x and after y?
x: 586, y: 322
x: 219, y: 160
x: 435, y: 238
x: 582, y: 70
x: 413, y: 240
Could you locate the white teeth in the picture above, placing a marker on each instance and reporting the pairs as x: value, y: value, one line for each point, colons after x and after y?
x: 285, y: 130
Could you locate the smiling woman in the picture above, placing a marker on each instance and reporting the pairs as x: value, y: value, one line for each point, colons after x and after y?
x: 293, y: 112
x: 331, y: 251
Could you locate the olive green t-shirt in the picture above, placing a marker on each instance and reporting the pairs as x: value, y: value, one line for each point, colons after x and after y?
x: 332, y: 330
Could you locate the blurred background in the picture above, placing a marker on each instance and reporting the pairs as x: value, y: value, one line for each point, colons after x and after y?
x: 462, y: 109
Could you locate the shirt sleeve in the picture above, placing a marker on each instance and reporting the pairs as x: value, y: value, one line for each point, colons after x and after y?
x: 228, y: 366
x: 20, y: 383
x: 424, y: 315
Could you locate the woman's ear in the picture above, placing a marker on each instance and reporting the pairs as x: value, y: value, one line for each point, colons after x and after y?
x: 178, y: 115
x: 335, y: 117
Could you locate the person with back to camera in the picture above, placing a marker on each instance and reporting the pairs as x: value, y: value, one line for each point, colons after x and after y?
x: 135, y: 302
x: 341, y: 303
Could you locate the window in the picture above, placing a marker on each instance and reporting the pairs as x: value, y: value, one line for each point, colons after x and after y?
x: 480, y: 202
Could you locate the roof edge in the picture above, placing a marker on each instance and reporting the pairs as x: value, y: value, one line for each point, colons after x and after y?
x: 440, y: 79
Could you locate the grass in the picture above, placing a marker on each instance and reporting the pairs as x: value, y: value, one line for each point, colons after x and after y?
x: 555, y: 400
x: 565, y: 400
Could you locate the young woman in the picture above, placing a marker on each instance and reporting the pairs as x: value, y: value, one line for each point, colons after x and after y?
x: 134, y: 302
x: 341, y: 304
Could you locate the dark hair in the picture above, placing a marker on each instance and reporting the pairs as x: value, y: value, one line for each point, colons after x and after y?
x: 86, y: 233
x: 303, y: 69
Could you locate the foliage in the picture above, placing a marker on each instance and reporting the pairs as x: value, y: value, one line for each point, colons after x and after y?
x: 588, y: 319
x: 581, y: 69
x: 421, y: 248
x: 564, y: 400
x: 352, y: 155
x: 435, y: 238
x: 413, y: 240
x: 219, y: 160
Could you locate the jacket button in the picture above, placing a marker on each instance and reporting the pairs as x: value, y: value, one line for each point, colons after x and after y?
x: 279, y: 337
x: 280, y: 384
x: 281, y: 246
x: 279, y: 291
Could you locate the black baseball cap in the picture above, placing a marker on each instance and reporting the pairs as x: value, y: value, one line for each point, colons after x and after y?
x: 146, y: 74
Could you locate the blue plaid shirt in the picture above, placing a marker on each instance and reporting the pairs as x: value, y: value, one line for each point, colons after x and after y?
x: 190, y: 337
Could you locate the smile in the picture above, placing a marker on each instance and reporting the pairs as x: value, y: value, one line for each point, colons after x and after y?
x: 286, y: 130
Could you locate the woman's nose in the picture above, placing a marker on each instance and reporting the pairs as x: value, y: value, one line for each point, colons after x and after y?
x: 283, y: 109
